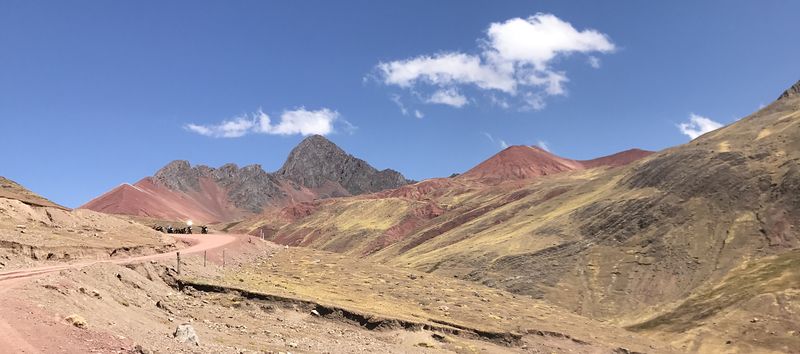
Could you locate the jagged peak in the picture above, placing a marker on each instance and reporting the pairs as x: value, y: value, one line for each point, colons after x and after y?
x: 176, y: 165
x: 316, y: 140
x: 315, y: 147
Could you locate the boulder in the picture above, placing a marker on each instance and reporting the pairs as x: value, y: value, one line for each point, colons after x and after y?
x: 185, y: 333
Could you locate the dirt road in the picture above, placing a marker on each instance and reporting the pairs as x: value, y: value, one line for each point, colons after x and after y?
x: 12, y: 342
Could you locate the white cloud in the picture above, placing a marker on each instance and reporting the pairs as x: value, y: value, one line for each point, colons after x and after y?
x: 234, y: 128
x: 515, y: 56
x: 698, y: 125
x: 199, y: 129
x: 301, y: 121
x: 298, y: 121
x: 443, y: 70
x: 450, y: 97
x: 488, y: 136
x: 503, y: 144
x: 544, y: 145
x: 418, y: 114
x: 594, y: 61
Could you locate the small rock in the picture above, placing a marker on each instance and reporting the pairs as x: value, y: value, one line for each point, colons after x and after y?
x: 138, y: 349
x: 440, y: 337
x: 185, y: 333
x: 77, y: 321
x: 315, y: 313
x: 292, y: 344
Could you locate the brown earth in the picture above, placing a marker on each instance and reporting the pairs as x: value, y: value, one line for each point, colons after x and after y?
x: 264, y: 301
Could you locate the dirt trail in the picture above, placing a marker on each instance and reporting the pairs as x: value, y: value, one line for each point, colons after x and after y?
x: 11, y: 341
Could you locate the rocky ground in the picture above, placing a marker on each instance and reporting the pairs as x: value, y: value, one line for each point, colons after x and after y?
x: 38, y: 235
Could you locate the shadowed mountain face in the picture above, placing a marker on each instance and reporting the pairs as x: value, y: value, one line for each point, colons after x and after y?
x: 688, y: 244
x: 249, y: 188
x: 316, y: 168
x: 316, y: 162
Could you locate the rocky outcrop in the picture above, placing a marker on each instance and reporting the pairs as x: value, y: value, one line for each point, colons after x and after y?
x: 185, y: 333
x: 249, y: 188
x: 317, y: 161
x: 178, y: 175
x: 793, y: 91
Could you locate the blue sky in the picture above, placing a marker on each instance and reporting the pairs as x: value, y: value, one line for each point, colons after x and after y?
x: 96, y: 93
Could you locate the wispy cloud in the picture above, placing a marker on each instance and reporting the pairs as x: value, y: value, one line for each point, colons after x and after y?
x: 403, y: 109
x: 396, y: 99
x: 502, y: 143
x: 697, y: 126
x: 515, y: 59
x: 594, y: 61
x: 544, y: 145
x: 297, y: 121
x: 233, y: 128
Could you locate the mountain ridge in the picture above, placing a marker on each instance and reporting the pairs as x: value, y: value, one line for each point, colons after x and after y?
x: 316, y: 168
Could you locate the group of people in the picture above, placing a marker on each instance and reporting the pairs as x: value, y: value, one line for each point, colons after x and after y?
x: 184, y: 230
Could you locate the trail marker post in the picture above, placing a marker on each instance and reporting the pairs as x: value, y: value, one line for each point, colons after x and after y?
x: 178, y: 254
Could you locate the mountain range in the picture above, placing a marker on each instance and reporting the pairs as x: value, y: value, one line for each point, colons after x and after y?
x: 315, y: 169
x: 696, y: 244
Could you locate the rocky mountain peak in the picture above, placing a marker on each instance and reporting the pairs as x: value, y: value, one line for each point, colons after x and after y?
x: 317, y: 161
x: 178, y: 175
x: 793, y: 91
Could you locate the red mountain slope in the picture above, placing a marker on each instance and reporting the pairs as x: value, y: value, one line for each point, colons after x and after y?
x: 523, y: 162
x: 146, y: 198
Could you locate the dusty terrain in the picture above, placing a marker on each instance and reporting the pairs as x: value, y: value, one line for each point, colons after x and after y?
x: 254, y: 305
x: 34, y: 231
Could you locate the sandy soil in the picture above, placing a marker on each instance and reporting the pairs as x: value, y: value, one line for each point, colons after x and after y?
x: 16, y: 332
